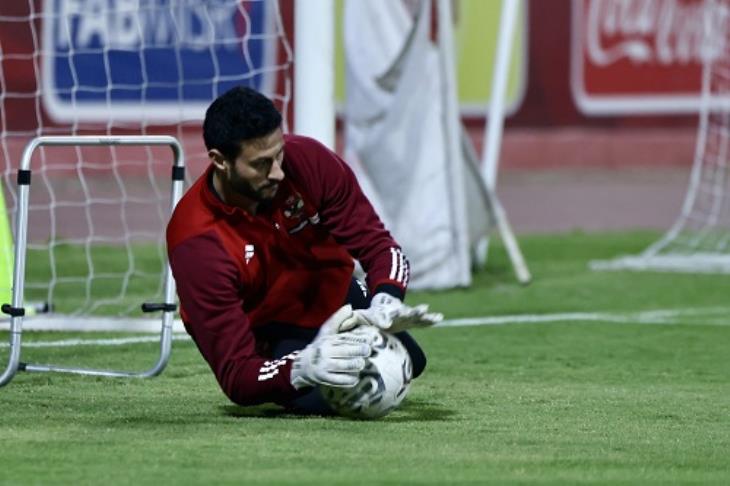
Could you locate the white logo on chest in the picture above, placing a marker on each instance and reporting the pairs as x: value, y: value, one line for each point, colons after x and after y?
x: 248, y: 253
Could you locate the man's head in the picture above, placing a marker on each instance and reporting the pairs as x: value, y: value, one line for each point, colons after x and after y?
x: 242, y: 132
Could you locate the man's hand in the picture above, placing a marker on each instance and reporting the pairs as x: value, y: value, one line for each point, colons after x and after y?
x: 342, y: 320
x: 332, y: 359
x: 389, y: 314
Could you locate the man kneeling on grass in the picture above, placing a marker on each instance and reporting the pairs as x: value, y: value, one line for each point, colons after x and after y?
x: 262, y: 248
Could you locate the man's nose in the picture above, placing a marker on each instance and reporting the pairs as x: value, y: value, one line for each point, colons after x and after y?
x: 276, y: 173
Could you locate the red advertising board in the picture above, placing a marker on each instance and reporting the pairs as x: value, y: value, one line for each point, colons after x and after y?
x: 642, y: 56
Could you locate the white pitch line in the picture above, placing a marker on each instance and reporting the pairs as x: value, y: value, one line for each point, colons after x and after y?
x: 525, y: 319
x: 659, y: 316
x: 95, y: 342
x: 52, y: 322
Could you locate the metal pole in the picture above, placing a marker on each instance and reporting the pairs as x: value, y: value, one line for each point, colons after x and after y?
x: 495, y: 117
x: 314, y: 74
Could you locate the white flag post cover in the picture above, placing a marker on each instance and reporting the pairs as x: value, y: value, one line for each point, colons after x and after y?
x: 406, y: 144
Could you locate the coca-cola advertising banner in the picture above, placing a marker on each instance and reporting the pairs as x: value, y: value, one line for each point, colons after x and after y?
x: 643, y: 56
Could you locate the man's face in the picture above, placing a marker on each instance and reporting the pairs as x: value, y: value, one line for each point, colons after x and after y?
x: 257, y: 172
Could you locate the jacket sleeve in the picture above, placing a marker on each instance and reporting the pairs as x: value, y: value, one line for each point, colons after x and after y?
x: 351, y: 219
x: 208, y: 285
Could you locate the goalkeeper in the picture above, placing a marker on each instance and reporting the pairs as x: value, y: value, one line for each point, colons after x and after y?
x: 262, y: 248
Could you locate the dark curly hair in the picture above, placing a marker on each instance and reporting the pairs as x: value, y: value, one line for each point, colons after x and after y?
x: 239, y: 114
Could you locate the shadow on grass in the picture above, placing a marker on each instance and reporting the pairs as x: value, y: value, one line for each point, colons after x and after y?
x: 259, y: 411
x: 422, y: 411
x: 411, y: 411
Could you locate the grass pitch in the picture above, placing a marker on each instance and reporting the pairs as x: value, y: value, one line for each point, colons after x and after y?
x: 628, y: 399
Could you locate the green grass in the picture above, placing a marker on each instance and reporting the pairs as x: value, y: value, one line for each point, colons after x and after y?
x: 558, y: 403
x: 562, y: 281
x: 123, y: 278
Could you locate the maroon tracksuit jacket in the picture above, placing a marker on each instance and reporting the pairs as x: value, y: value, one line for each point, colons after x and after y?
x: 290, y: 263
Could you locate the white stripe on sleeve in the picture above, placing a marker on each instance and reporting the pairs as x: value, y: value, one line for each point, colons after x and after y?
x: 393, y: 264
x: 401, y: 270
x: 407, y: 272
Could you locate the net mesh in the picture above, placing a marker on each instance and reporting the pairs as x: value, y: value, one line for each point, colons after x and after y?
x: 97, y: 215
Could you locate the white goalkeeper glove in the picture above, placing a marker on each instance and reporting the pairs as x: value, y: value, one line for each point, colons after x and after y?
x: 332, y: 359
x: 389, y: 314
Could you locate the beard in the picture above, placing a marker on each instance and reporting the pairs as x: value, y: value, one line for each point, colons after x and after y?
x: 244, y: 188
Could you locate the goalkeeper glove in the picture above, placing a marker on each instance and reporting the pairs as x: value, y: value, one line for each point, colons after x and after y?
x: 389, y: 314
x: 332, y: 359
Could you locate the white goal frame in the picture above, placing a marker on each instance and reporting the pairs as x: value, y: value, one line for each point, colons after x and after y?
x: 17, y: 311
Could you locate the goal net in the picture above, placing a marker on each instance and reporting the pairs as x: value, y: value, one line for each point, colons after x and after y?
x: 97, y: 214
x: 699, y: 241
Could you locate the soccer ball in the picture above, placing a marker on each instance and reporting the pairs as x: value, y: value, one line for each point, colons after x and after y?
x: 384, y: 381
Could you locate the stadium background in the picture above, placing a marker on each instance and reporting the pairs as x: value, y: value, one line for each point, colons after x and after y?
x: 633, y: 173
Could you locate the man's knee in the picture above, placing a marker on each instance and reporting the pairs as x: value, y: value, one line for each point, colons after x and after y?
x: 418, y: 357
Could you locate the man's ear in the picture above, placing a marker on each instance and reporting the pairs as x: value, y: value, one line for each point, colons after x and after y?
x: 219, y: 161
